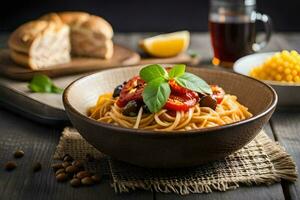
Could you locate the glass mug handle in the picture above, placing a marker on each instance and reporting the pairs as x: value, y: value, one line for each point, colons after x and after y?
x: 268, y: 30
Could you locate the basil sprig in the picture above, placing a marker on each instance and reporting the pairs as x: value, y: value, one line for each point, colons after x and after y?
x: 157, y: 90
x: 43, y: 84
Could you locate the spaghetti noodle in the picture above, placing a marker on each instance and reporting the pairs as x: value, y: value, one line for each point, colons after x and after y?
x: 229, y: 110
x: 168, y: 99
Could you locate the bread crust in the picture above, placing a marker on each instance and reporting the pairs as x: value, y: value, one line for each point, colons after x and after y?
x: 22, y: 38
x: 82, y: 20
x: 22, y: 59
x: 96, y: 31
x: 98, y: 25
x: 94, y: 38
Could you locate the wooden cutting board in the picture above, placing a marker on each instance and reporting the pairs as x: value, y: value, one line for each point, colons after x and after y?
x: 122, y: 57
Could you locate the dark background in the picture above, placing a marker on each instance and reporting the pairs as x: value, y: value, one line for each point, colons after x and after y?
x: 142, y: 16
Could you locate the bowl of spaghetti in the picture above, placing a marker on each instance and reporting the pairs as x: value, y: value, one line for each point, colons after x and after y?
x: 166, y: 117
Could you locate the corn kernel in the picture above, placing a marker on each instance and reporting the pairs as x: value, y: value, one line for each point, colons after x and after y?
x: 294, y: 53
x: 287, y: 71
x: 273, y: 65
x: 289, y: 77
x: 280, y: 69
x: 284, y: 67
x: 278, y: 77
x: 285, y: 52
x: 286, y: 64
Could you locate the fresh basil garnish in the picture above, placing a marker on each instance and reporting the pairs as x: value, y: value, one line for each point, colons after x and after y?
x: 151, y: 72
x: 157, y: 90
x: 43, y: 84
x: 156, y: 94
x: 177, y: 70
x: 193, y: 82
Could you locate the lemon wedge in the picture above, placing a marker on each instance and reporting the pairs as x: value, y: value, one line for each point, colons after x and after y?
x: 166, y: 45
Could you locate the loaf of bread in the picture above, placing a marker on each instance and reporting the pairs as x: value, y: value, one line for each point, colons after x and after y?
x: 40, y: 44
x: 91, y: 36
x: 50, y: 40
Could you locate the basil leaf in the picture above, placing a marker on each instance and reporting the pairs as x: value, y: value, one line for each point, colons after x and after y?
x: 43, y: 84
x: 177, y: 70
x: 156, y: 94
x: 193, y: 82
x: 56, y: 89
x: 152, y: 72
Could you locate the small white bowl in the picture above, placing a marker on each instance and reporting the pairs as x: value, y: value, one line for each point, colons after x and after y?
x: 288, y: 93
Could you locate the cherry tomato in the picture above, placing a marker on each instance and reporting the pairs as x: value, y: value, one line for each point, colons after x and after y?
x: 180, y: 99
x: 132, y: 90
x: 218, y: 93
x: 182, y: 102
x: 177, y: 89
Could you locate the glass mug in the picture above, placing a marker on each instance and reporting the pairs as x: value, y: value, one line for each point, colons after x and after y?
x: 232, y: 30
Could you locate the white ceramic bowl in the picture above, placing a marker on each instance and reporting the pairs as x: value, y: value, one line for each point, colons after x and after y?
x: 288, y: 94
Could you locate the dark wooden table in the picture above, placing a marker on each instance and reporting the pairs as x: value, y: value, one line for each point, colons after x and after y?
x: 39, y: 142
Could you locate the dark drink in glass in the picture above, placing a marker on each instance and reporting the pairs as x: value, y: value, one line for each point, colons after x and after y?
x: 231, y: 41
x: 232, y: 30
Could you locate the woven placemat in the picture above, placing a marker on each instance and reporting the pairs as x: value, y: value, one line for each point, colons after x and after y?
x: 262, y: 161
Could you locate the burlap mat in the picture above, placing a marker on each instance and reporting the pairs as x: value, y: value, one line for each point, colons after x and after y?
x: 262, y: 161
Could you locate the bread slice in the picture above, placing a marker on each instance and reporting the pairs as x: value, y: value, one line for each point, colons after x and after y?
x: 69, y: 18
x: 40, y: 44
x: 91, y: 36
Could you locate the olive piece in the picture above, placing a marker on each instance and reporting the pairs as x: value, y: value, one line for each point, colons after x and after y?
x: 208, y: 101
x: 117, y: 91
x: 201, y: 94
x: 146, y: 109
x: 131, y: 109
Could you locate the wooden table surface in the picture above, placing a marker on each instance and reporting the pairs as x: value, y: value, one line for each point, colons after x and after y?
x: 39, y: 142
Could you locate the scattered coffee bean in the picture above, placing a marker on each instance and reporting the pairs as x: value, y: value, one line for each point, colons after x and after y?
x: 77, y: 163
x: 83, y: 174
x: 10, y: 165
x: 56, y: 166
x: 37, y: 167
x: 65, y: 164
x: 67, y: 158
x: 87, y: 181
x: 72, y: 169
x: 89, y: 157
x: 61, y: 177
x: 60, y: 171
x: 96, y: 178
x: 19, y: 154
x: 75, y: 182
